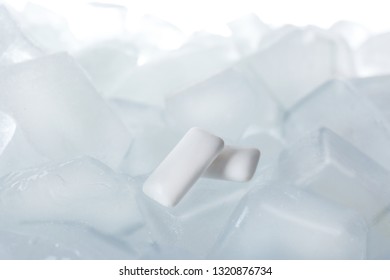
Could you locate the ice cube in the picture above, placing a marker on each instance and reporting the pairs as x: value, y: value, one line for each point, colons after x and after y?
x: 193, y: 226
x: 269, y: 142
x: 286, y: 223
x: 177, y: 69
x: 373, y: 57
x: 354, y: 34
x: 60, y: 112
x: 247, y: 32
x: 225, y: 104
x: 153, y: 37
x: 7, y: 130
x: 19, y: 154
x: 376, y: 89
x: 47, y: 29
x: 138, y: 118
x: 146, y: 153
x: 299, y: 62
x: 14, y: 46
x: 82, y: 190
x: 42, y: 241
x: 378, y: 238
x: 337, y: 106
x: 106, y: 62
x: 325, y: 164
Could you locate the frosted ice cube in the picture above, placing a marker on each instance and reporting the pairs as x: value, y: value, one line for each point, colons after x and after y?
x: 225, y: 104
x: 7, y: 130
x: 376, y: 89
x: 47, y: 29
x: 14, y: 46
x: 106, y: 62
x: 247, y: 32
x: 192, y: 226
x: 177, y: 69
x: 337, y: 106
x: 373, y: 57
x: 269, y: 142
x: 299, y: 62
x: 82, y: 190
x: 353, y: 33
x: 138, y: 118
x: 325, y: 164
x: 285, y: 223
x: 19, y: 154
x: 378, y: 238
x: 60, y: 112
x: 60, y: 241
x: 153, y: 36
x: 146, y: 153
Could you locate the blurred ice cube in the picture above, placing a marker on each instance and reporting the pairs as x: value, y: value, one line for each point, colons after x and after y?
x: 14, y: 46
x: 247, y: 32
x: 60, y: 112
x: 353, y: 33
x: 82, y: 191
x: 377, y: 90
x: 285, y: 223
x: 337, y: 106
x: 300, y: 61
x: 20, y: 154
x: 153, y: 36
x: 42, y: 241
x: 225, y: 104
x: 373, y: 56
x: 151, y: 82
x: 269, y: 142
x: 193, y: 226
x: 107, y: 62
x: 325, y: 164
x: 378, y: 239
x: 7, y: 130
x: 47, y: 29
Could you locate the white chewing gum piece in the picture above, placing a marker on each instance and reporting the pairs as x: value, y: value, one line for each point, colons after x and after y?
x: 182, y: 167
x: 234, y: 164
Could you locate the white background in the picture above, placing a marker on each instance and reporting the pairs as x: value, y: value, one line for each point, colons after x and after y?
x: 192, y: 15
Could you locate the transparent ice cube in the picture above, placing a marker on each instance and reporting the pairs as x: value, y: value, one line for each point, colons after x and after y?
x: 378, y: 238
x: 151, y: 82
x: 82, y: 190
x: 7, y: 130
x: 376, y: 89
x: 106, y: 62
x: 300, y: 61
x: 354, y: 34
x: 337, y: 106
x: 373, y: 57
x: 325, y: 164
x: 225, y: 104
x: 60, y: 241
x: 286, y: 223
x: 14, y: 46
x: 247, y: 32
x: 60, y: 112
x: 193, y: 225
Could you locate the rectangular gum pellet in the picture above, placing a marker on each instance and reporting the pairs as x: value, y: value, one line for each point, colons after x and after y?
x: 183, y: 166
x: 234, y: 164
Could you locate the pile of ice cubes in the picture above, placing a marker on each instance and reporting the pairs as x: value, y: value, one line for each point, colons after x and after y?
x: 85, y: 119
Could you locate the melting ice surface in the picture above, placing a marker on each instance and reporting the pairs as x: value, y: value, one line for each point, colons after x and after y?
x: 85, y: 119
